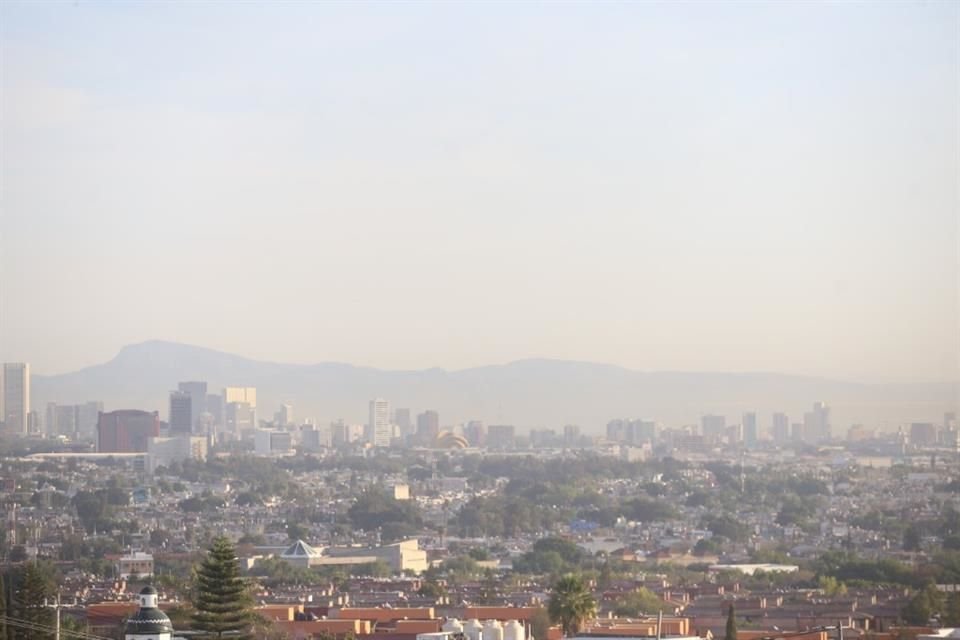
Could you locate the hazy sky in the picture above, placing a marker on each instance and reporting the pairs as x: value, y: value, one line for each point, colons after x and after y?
x: 663, y: 186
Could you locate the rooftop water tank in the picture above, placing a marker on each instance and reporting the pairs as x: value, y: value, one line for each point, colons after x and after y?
x: 513, y: 630
x: 492, y: 630
x: 452, y: 626
x: 473, y: 629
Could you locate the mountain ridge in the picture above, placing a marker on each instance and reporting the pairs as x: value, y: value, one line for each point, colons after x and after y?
x: 532, y: 392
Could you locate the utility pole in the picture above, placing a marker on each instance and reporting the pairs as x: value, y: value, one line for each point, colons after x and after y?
x: 56, y: 610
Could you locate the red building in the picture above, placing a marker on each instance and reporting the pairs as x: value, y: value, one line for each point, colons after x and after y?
x: 126, y: 431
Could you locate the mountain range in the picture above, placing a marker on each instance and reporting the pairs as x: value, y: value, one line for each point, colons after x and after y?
x: 526, y: 393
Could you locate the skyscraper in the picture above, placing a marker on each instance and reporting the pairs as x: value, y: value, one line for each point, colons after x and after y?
x: 181, y: 412
x: 198, y: 400
x: 428, y: 427
x: 284, y: 415
x: 780, y: 428
x: 713, y: 426
x: 16, y: 397
x: 501, y: 436
x: 476, y: 433
x: 381, y: 431
x: 750, y: 431
x: 241, y: 418
x: 245, y: 409
x: 402, y: 419
x: 816, y: 423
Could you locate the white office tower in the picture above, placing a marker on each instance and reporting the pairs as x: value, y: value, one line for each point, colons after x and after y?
x: 381, y: 431
x: 16, y: 397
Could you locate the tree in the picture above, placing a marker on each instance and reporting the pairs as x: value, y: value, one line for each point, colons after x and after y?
x: 911, y: 539
x: 831, y: 586
x: 639, y: 602
x: 731, y: 630
x: 923, y: 606
x: 432, y: 589
x: 222, y: 601
x: 540, y: 623
x: 951, y: 613
x: 29, y: 602
x: 571, y: 604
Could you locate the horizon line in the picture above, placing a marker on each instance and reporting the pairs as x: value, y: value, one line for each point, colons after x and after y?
x: 160, y: 341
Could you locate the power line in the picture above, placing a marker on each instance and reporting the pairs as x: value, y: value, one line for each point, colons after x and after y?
x: 34, y: 626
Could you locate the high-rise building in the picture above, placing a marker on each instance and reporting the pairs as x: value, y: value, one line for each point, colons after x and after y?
x: 713, y: 426
x: 340, y: 433
x: 126, y: 431
x: 476, y: 433
x: 164, y: 451
x: 16, y: 397
x: 198, y: 400
x: 750, y: 432
x: 501, y: 436
x: 272, y: 442
x: 88, y: 414
x: 544, y: 438
x: 428, y: 427
x: 780, y: 428
x: 816, y: 423
x: 571, y: 435
x: 798, y: 432
x: 640, y: 431
x: 381, y: 431
x: 181, y: 413
x: 734, y: 433
x: 923, y: 434
x: 284, y: 415
x: 61, y: 420
x: 401, y: 418
x: 241, y: 418
x: 243, y: 414
x: 617, y: 431
x: 214, y: 406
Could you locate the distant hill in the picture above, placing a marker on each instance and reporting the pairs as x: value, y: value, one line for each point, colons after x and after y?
x: 527, y: 393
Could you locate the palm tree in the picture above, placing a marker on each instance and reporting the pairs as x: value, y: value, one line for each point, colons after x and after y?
x: 571, y: 604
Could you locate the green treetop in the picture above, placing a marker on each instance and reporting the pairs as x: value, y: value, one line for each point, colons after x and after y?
x: 731, y: 631
x: 222, y: 601
x: 571, y: 604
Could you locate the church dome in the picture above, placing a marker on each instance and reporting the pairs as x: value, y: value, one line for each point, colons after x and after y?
x: 149, y: 620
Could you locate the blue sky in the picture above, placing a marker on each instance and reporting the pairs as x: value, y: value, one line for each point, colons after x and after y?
x: 742, y: 186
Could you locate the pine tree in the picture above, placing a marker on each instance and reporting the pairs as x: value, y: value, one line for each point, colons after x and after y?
x: 222, y: 601
x: 30, y: 603
x: 731, y: 632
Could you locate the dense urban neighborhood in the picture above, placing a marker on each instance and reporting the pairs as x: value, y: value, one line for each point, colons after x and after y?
x: 406, y: 530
